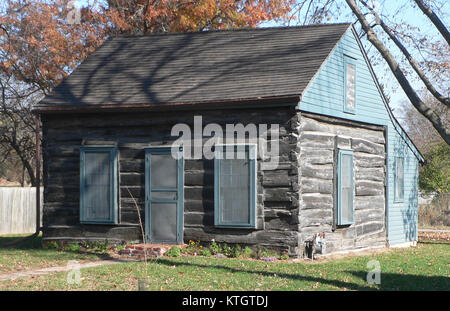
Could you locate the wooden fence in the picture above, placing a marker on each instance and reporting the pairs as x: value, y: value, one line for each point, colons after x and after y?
x: 18, y: 209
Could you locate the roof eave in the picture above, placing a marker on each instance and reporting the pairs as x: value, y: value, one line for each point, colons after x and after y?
x: 254, y: 102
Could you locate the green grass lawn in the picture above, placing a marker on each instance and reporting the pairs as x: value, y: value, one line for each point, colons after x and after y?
x: 30, y: 254
x: 425, y: 267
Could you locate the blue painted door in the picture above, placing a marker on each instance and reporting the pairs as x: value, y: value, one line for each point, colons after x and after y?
x: 164, y: 195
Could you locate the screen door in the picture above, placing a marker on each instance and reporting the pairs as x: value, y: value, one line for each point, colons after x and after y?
x: 164, y: 195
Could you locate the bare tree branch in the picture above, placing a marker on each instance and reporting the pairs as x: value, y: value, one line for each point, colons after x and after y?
x: 434, y: 19
x: 429, y: 113
x: 411, y: 60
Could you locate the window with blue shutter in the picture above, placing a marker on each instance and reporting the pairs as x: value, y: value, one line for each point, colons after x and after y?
x: 349, y: 85
x: 98, y: 185
x: 235, y: 186
x: 345, y: 187
x: 399, y: 179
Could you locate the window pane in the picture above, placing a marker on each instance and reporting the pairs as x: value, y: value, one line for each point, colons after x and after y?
x: 163, y: 195
x: 97, y: 199
x: 346, y: 189
x: 400, y: 178
x: 346, y: 212
x: 235, y: 190
x: 164, y: 221
x: 163, y: 171
x: 350, y: 85
x: 347, y: 166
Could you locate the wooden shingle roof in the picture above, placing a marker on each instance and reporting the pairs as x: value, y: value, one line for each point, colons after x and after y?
x: 198, y: 67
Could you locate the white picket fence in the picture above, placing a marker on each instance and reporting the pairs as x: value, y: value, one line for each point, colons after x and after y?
x: 18, y: 209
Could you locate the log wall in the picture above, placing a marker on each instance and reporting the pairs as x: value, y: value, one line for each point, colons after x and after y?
x: 320, y: 138
x: 294, y: 200
x: 277, y: 198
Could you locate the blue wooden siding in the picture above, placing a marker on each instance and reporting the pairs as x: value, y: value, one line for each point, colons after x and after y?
x: 325, y: 95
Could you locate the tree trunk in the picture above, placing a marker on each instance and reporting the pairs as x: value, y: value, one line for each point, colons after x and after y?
x: 22, y: 183
x: 26, y: 164
x: 30, y: 172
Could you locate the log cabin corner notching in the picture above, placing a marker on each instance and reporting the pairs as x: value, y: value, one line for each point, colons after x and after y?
x: 345, y: 167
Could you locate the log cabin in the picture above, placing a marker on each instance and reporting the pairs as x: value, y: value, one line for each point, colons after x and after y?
x: 286, y: 137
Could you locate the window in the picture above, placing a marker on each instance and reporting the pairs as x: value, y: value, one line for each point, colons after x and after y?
x: 398, y: 179
x: 345, y: 187
x: 235, y: 186
x: 349, y: 85
x: 98, y: 185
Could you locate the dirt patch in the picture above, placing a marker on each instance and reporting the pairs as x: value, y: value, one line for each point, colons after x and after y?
x: 21, y: 274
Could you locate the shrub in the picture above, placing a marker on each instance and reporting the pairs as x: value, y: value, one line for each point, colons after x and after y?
x: 435, y: 213
x: 87, y: 244
x: 263, y: 253
x: 215, y: 248
x: 226, y: 249
x: 73, y: 247
x: 120, y: 247
x: 257, y: 253
x: 51, y: 245
x: 96, y: 246
x: 174, y: 252
x: 247, y: 253
x: 205, y: 252
x: 434, y: 179
x: 236, y: 251
x: 101, y: 246
x: 192, y: 248
x: 434, y: 176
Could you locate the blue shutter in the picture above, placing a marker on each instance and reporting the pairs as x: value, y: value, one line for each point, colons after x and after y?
x: 345, y: 187
x: 98, y: 185
x: 349, y: 85
x: 235, y: 186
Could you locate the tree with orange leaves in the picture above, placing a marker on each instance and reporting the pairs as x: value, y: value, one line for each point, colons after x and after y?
x: 38, y: 48
x: 42, y: 41
x: 144, y: 16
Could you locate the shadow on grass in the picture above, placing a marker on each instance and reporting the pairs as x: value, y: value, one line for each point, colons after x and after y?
x: 29, y: 243
x: 35, y: 244
x: 294, y: 277
x: 389, y: 281
x: 395, y: 281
